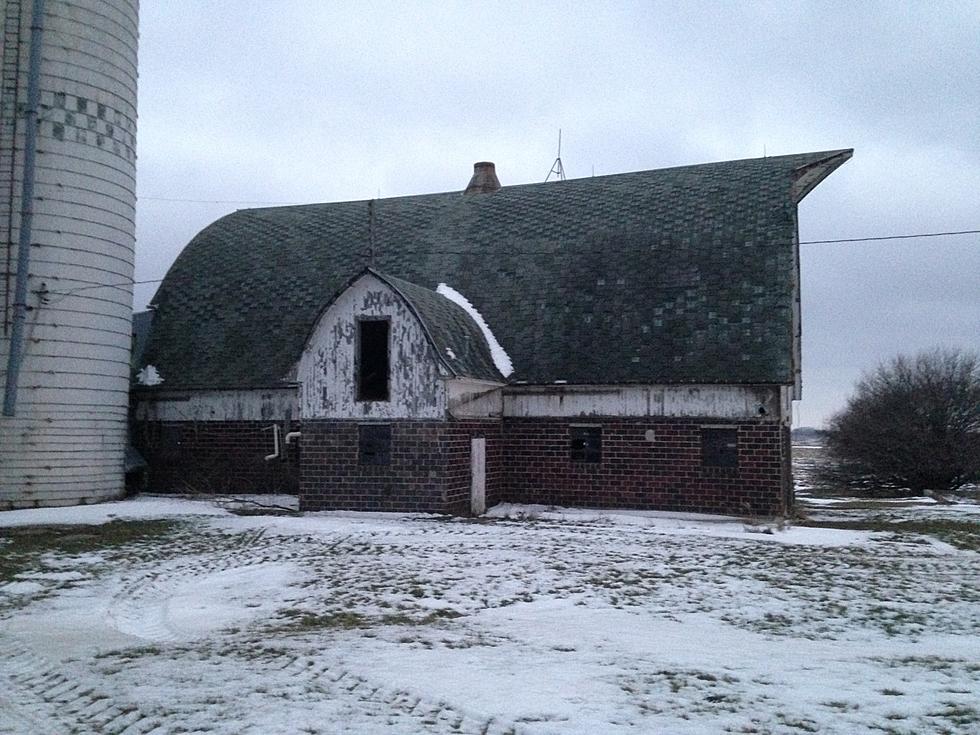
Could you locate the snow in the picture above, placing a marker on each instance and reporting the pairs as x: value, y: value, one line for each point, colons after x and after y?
x: 145, y: 507
x: 670, y: 523
x: 21, y: 588
x: 531, y: 620
x: 149, y: 376
x: 500, y: 357
x: 843, y: 500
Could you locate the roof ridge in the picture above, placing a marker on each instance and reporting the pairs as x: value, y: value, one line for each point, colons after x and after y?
x: 817, y: 155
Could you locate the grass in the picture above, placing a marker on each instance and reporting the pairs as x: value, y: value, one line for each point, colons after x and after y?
x: 961, y: 534
x: 23, y: 546
x: 302, y: 622
x: 307, y: 622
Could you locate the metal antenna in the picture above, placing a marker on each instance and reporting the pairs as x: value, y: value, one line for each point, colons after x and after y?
x: 371, y: 233
x: 556, y: 168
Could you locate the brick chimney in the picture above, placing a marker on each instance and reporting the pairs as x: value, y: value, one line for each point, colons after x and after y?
x: 484, y: 179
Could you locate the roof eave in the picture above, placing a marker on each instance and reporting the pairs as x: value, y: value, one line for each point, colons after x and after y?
x: 806, y: 178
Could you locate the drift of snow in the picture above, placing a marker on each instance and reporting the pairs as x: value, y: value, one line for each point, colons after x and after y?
x: 149, y: 376
x: 500, y: 357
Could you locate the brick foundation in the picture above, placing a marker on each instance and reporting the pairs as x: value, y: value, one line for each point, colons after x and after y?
x: 663, y: 474
x: 528, y: 461
x: 429, y: 469
x: 216, y: 457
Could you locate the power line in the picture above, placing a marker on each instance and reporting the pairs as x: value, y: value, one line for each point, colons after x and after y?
x: 447, y: 252
x: 72, y: 291
x: 804, y: 242
x: 557, y: 252
x: 214, y: 201
x: 892, y: 237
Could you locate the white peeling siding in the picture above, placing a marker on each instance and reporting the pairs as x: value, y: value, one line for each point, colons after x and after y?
x: 67, y: 443
x: 474, y: 399
x: 700, y: 401
x: 786, y: 396
x: 220, y: 405
x: 326, y: 369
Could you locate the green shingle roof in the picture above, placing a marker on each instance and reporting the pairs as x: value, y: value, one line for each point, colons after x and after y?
x: 679, y: 275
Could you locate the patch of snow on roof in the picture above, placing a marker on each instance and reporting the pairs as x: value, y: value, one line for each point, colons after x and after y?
x: 149, y: 376
x: 500, y: 357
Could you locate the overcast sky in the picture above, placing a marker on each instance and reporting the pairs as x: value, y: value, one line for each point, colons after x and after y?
x: 251, y: 102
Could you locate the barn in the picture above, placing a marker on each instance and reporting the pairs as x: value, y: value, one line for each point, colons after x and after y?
x: 627, y: 341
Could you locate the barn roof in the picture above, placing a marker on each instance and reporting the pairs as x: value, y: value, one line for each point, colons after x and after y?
x: 678, y: 275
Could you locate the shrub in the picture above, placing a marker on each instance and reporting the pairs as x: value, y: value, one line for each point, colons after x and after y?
x: 912, y: 425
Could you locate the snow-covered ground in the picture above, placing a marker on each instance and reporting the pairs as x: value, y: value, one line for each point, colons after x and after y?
x: 177, y: 616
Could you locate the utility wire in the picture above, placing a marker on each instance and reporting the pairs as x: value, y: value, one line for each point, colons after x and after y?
x: 214, y: 201
x: 558, y: 252
x: 805, y: 242
x: 892, y: 237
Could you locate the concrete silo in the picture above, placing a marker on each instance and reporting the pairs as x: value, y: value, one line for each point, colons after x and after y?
x: 67, y: 203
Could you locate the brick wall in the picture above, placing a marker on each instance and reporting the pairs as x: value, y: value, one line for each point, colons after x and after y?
x: 429, y: 469
x: 528, y: 461
x: 663, y: 474
x: 456, y: 442
x: 216, y: 457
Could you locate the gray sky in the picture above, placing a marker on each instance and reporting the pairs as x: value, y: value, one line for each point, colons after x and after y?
x: 251, y: 102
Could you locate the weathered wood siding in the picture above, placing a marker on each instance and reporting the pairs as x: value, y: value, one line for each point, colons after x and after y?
x: 219, y: 405
x: 474, y: 398
x: 669, y: 401
x: 327, y: 370
x: 67, y: 442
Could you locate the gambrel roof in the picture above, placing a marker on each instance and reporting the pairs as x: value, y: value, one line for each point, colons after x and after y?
x: 678, y: 275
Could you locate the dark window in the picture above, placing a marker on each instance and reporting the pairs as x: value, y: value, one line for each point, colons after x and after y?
x: 372, y: 360
x: 586, y: 443
x: 374, y: 444
x: 719, y: 447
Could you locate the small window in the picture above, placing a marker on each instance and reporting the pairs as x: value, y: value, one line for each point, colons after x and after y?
x: 719, y: 447
x: 586, y: 443
x: 372, y: 360
x: 374, y: 444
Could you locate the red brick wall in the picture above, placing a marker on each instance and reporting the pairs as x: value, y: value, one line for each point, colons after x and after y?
x: 429, y: 470
x: 216, y: 456
x: 456, y: 442
x: 527, y: 462
x: 665, y: 474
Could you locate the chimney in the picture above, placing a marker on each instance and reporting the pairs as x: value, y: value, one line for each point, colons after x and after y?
x: 484, y: 179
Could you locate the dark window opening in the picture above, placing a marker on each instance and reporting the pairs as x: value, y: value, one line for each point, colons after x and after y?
x: 372, y: 360
x: 586, y: 443
x: 374, y: 444
x: 719, y: 447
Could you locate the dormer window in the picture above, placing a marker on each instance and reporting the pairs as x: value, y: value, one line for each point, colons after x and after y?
x: 373, y: 359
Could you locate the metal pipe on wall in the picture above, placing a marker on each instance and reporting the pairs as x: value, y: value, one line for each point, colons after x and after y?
x: 16, y: 355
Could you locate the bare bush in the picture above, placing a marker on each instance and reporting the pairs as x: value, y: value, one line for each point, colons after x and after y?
x: 912, y: 425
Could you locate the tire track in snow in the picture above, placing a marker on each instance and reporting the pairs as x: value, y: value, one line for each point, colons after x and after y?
x: 309, y: 672
x: 140, y: 607
x: 60, y: 699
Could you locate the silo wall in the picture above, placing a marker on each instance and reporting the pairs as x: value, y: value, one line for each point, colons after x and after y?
x: 66, y: 442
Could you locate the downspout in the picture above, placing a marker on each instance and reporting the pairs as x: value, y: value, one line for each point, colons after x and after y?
x: 16, y: 355
x: 12, y: 188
